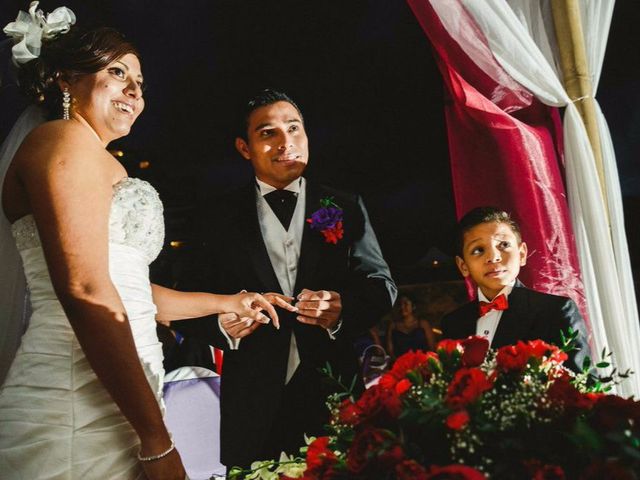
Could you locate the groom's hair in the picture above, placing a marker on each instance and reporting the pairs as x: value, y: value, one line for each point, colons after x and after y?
x: 263, y: 98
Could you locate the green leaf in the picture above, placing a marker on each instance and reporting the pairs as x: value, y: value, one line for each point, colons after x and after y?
x: 414, y: 377
x: 353, y: 383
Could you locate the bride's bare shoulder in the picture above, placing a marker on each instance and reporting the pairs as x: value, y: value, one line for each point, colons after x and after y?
x: 59, y: 141
x: 61, y: 134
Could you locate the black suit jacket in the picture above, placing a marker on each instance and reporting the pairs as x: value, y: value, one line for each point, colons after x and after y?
x: 531, y: 315
x: 236, y: 258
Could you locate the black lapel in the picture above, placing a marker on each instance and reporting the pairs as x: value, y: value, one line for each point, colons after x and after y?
x: 312, y: 241
x: 251, y: 237
x: 515, y: 322
x: 467, y: 322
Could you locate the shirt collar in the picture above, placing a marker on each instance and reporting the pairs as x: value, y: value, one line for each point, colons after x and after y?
x: 265, y: 188
x: 505, y: 291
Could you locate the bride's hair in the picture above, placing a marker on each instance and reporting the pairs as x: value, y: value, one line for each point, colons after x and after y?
x: 78, y: 52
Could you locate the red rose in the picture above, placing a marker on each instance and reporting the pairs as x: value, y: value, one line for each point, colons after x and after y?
x: 411, y: 361
x: 609, y: 470
x: 320, y: 460
x: 391, y: 457
x: 378, y: 400
x: 349, y: 413
x: 388, y: 381
x: 594, y: 396
x: 373, y: 448
x: 474, y: 351
x: 457, y: 420
x: 410, y: 470
x: 611, y: 412
x: 562, y: 391
x: 558, y: 356
x: 539, y: 348
x: 513, y: 358
x: 402, y: 386
x: 448, y: 346
x: 333, y: 234
x: 539, y: 471
x: 550, y: 472
x: 455, y: 472
x: 467, y: 385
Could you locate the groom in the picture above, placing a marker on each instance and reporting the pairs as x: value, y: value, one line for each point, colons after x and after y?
x: 262, y: 240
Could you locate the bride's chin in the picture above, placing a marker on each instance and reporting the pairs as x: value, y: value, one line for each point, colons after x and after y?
x: 121, y: 131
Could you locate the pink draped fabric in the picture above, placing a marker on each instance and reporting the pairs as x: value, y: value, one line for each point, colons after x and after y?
x: 505, y: 149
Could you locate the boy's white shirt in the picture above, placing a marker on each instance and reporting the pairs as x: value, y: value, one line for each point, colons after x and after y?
x: 487, y: 325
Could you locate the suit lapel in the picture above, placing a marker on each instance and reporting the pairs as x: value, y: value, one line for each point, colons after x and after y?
x: 515, y: 321
x: 251, y: 237
x: 466, y: 326
x: 312, y: 242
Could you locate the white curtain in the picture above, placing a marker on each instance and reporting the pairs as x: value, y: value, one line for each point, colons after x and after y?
x: 520, y: 36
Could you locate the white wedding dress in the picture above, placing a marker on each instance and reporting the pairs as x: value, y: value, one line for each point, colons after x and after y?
x: 56, y: 419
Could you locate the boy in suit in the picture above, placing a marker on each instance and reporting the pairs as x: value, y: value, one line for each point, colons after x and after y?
x: 491, y: 252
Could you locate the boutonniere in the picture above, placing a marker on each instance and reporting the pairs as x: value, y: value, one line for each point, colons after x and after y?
x: 328, y: 220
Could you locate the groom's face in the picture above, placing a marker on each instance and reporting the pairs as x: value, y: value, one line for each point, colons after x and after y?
x: 276, y: 144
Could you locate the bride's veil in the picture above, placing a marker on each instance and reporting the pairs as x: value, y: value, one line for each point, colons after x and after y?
x: 13, y: 293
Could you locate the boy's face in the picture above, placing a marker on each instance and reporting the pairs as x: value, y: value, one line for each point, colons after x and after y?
x: 491, y: 256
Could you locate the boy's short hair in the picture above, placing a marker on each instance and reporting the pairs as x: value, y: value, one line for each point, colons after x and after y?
x: 263, y: 98
x: 481, y: 215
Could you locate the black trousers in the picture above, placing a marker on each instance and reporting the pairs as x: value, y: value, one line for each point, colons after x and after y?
x: 303, y: 410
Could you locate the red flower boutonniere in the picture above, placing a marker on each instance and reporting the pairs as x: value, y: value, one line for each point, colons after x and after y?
x: 328, y: 221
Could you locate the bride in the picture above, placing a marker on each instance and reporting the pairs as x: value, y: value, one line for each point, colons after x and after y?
x: 82, y: 398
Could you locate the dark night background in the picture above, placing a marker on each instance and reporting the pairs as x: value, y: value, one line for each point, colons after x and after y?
x: 364, y: 76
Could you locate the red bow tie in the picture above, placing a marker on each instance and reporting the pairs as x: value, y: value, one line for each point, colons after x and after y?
x: 498, y: 303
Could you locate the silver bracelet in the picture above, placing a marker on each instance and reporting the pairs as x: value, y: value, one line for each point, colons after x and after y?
x: 151, y: 458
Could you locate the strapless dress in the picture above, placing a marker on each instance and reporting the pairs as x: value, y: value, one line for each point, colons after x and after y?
x: 57, y: 421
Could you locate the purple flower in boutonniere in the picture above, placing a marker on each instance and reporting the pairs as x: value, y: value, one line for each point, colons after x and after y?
x: 328, y: 221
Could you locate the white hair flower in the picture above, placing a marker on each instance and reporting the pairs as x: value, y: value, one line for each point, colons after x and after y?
x: 30, y: 28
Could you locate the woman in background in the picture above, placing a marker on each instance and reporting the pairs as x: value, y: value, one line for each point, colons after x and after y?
x: 407, y: 331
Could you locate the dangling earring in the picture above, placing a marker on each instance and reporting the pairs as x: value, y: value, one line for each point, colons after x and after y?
x: 66, y: 103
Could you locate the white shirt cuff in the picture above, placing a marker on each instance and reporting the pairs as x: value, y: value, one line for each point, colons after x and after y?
x: 234, y: 343
x: 336, y: 329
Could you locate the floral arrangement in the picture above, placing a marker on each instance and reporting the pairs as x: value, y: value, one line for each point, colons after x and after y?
x: 328, y: 221
x: 468, y: 412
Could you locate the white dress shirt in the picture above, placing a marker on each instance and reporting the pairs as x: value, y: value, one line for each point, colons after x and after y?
x: 283, y: 248
x: 488, y: 323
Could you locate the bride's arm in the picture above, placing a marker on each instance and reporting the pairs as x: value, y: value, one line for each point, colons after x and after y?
x: 176, y: 305
x: 68, y: 179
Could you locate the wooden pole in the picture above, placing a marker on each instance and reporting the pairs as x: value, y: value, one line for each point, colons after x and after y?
x: 575, y: 73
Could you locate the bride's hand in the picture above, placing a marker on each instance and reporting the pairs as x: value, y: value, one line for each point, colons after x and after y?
x: 165, y: 468
x: 280, y: 300
x: 250, y: 305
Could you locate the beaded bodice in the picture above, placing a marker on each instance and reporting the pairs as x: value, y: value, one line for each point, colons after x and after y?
x: 135, y: 220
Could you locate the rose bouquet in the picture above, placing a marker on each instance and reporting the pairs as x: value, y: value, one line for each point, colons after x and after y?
x: 468, y: 412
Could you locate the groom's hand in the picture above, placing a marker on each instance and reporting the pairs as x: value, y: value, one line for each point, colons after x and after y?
x: 237, y: 327
x: 322, y: 308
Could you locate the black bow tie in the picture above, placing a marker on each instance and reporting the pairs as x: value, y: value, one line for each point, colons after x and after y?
x: 283, y: 203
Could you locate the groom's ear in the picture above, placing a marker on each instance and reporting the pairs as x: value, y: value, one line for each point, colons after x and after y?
x: 243, y: 148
